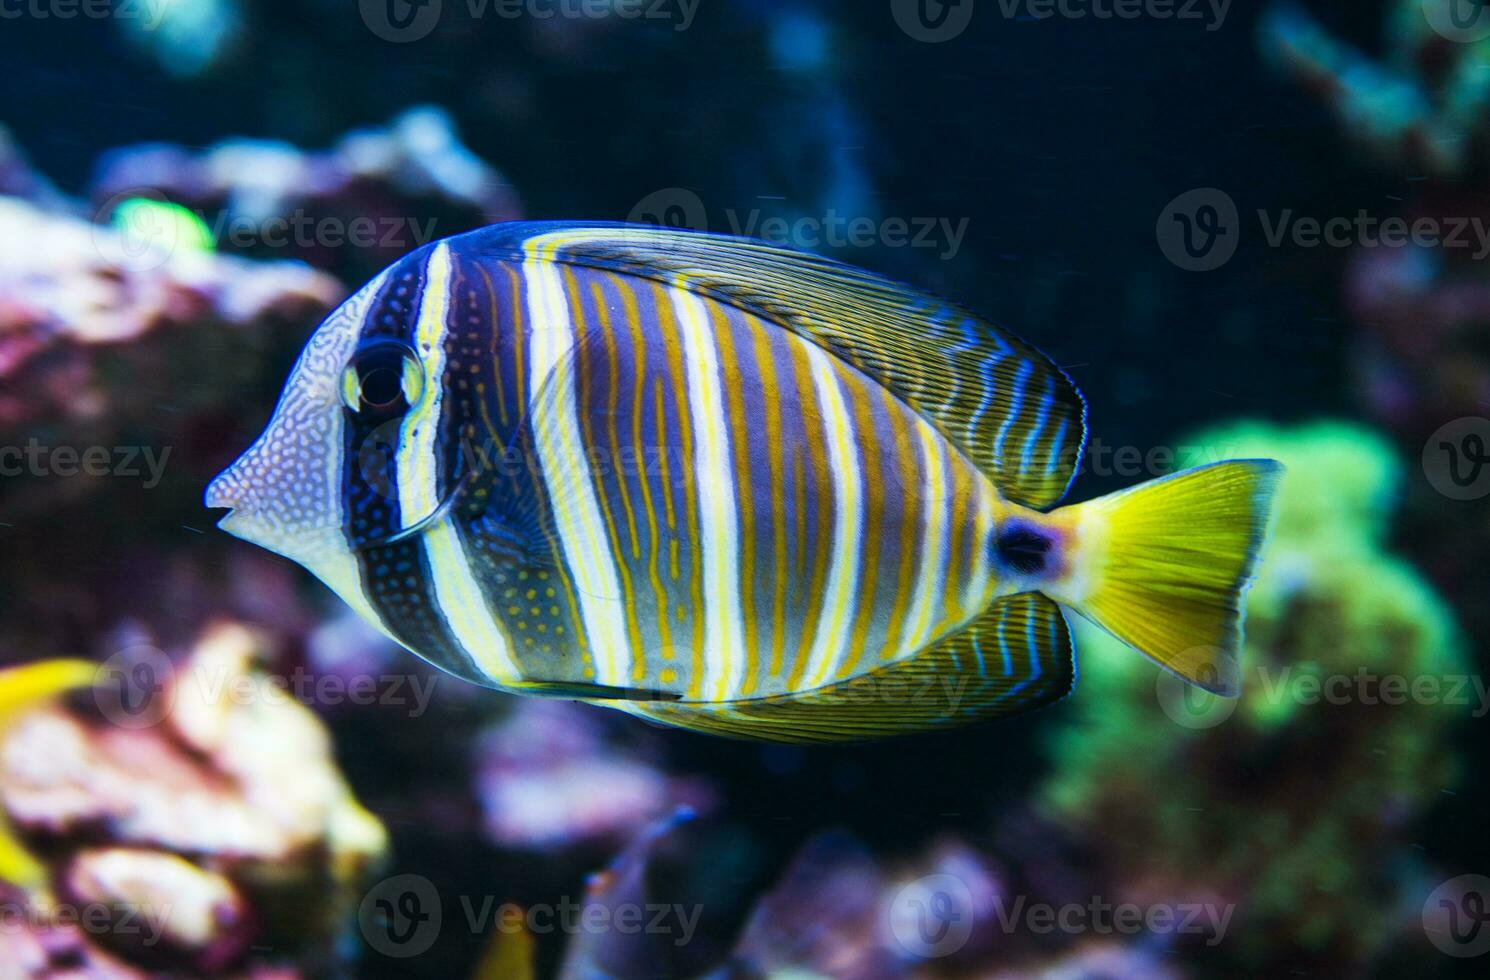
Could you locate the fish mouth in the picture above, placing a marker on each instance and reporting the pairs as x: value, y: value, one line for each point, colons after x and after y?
x: 242, y: 519
x: 218, y: 496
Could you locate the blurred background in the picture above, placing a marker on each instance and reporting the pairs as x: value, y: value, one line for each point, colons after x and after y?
x: 1243, y: 228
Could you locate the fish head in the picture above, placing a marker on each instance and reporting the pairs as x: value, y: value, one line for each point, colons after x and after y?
x: 332, y: 444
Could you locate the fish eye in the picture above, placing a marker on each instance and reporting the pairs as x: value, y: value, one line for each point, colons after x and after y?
x: 382, y: 377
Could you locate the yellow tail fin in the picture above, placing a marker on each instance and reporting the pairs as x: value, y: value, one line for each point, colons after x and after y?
x: 1164, y: 566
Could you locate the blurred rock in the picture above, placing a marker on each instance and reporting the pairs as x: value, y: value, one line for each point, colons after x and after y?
x: 375, y: 196
x: 203, y: 794
x: 823, y: 918
x: 551, y: 775
x: 75, y: 295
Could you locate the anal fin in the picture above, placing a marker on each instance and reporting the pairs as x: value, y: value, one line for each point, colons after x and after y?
x: 1015, y: 657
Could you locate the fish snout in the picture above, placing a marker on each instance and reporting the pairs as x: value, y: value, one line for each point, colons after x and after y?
x: 279, y: 495
x: 223, y: 492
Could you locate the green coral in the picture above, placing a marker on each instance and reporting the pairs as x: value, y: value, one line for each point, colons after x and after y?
x: 1273, y: 799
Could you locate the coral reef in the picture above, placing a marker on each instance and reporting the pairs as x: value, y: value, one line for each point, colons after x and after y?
x: 1423, y: 109
x: 88, y: 313
x: 375, y: 196
x: 1420, y: 307
x: 196, y: 823
x: 554, y: 774
x: 1423, y: 105
x: 1354, y: 674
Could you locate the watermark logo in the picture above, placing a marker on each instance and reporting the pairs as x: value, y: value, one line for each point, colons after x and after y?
x: 1211, y: 12
x: 671, y: 207
x: 138, y: 687
x: 1132, y: 462
x: 400, y: 21
x: 403, y: 916
x: 1464, y: 21
x: 304, y: 231
x: 134, y: 687
x: 145, y: 463
x: 148, y: 12
x: 932, y: 21
x: 143, y: 922
x: 134, y: 230
x: 1456, y: 458
x: 400, y: 916
x: 932, y: 916
x: 1098, y: 916
x: 1191, y: 705
x: 1199, y: 230
x: 678, y: 207
x: 1456, y: 916
x: 936, y: 21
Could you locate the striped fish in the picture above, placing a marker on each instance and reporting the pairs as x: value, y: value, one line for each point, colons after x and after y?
x: 726, y: 486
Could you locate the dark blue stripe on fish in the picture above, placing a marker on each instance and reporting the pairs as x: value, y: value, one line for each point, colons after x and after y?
x: 370, y: 458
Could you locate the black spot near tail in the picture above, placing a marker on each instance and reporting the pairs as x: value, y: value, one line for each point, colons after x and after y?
x: 1021, y: 548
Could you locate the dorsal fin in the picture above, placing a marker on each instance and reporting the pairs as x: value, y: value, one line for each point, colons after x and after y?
x: 1015, y: 657
x: 1001, y: 401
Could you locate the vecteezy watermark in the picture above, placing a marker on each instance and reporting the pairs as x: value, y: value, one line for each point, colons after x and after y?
x: 1098, y: 916
x: 1193, y: 707
x: 1456, y: 458
x: 1465, y: 21
x: 304, y: 231
x: 148, y: 12
x: 678, y: 207
x: 1199, y: 231
x: 932, y: 916
x: 409, y: 691
x: 1366, y: 230
x: 1456, y: 916
x: 128, y: 462
x: 145, y: 923
x: 403, y: 916
x: 935, y: 21
x: 1130, y: 462
x: 932, y: 21
x: 139, y: 687
x: 402, y: 21
x: 141, y: 228
x: 1211, y: 13
x: 134, y: 686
